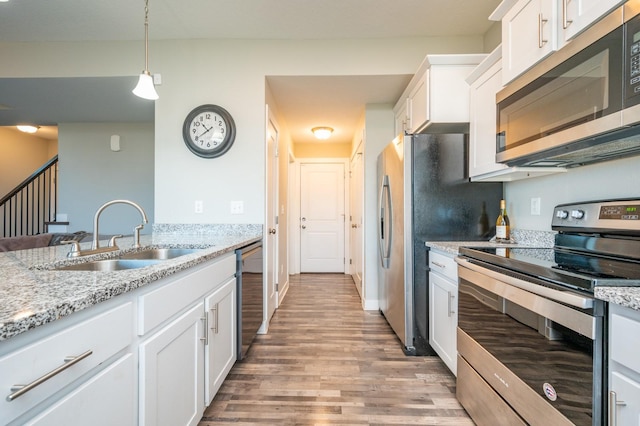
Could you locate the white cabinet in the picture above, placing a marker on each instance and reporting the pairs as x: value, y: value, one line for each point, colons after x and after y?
x: 533, y: 29
x: 485, y: 81
x: 624, y: 366
x: 172, y: 372
x: 529, y: 34
x: 401, y: 117
x: 443, y: 307
x: 437, y: 97
x: 578, y: 15
x: 220, y: 348
x: 77, y: 351
x: 189, y: 334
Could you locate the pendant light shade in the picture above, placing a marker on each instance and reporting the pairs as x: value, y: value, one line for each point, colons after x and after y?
x: 145, y: 87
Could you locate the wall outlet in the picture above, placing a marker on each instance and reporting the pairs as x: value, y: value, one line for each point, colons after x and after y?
x: 535, y: 206
x: 237, y: 207
x: 198, y: 207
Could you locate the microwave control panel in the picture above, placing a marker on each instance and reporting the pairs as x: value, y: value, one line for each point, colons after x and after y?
x: 632, y: 60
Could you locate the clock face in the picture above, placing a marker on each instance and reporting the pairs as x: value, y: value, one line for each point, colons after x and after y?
x: 209, y: 131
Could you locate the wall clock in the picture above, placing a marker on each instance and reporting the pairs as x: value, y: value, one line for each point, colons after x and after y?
x: 209, y: 131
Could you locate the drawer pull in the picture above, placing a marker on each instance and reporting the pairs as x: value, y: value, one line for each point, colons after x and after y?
x: 68, y: 362
x: 214, y: 311
x: 205, y: 320
x: 613, y: 408
x: 439, y: 265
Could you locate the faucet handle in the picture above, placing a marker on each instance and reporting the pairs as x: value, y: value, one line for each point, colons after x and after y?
x: 136, y: 235
x: 112, y: 241
x: 75, y: 247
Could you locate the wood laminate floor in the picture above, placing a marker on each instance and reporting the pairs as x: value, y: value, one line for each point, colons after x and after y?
x: 325, y: 361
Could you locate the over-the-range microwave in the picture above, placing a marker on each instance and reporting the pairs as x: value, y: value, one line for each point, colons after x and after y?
x: 580, y: 105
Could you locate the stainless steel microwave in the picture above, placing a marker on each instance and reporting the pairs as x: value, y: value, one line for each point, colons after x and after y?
x: 581, y: 105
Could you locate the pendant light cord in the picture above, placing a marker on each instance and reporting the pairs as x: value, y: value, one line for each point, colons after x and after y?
x: 146, y: 36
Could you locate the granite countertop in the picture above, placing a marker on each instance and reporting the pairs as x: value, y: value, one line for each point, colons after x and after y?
x: 624, y: 296
x: 34, y: 294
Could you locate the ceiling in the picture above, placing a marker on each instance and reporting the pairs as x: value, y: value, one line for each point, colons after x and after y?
x: 336, y: 101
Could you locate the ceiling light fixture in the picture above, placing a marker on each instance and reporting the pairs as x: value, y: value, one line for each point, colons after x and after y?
x: 145, y: 88
x: 27, y: 128
x: 322, y: 132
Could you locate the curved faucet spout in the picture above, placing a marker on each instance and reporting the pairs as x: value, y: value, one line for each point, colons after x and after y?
x: 96, y: 219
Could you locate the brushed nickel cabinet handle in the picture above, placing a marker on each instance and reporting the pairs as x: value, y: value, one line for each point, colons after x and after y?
x: 214, y: 311
x: 439, y: 265
x: 68, y: 362
x: 565, y: 22
x: 541, y: 40
x: 613, y: 408
x: 450, y: 309
x: 205, y: 320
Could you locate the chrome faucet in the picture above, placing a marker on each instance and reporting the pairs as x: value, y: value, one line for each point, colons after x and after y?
x: 95, y: 245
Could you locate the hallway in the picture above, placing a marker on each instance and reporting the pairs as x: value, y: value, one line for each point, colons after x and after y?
x: 327, y: 362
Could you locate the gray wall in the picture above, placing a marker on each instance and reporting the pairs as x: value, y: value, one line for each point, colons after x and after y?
x: 91, y: 174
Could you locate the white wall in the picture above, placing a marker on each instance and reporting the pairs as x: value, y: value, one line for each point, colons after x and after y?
x: 90, y: 174
x: 230, y: 73
x: 615, y: 179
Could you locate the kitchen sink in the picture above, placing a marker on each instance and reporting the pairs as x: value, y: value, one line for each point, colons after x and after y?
x: 110, y: 265
x: 159, y: 253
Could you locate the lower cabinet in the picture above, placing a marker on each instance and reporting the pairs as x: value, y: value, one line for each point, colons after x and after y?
x: 154, y: 356
x: 443, y: 307
x: 220, y: 348
x: 172, y: 372
x: 624, y: 366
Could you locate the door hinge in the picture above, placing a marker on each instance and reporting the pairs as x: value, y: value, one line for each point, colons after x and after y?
x: 350, y: 261
x: 277, y: 287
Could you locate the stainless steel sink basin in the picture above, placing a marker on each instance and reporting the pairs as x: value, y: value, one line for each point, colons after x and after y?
x: 110, y: 265
x: 159, y: 253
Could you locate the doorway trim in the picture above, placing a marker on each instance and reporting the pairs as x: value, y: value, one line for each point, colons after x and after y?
x: 294, y: 223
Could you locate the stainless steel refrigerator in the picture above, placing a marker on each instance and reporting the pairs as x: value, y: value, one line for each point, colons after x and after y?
x: 424, y: 195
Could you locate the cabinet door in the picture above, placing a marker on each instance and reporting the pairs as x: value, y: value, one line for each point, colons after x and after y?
x: 418, y: 104
x: 107, y: 399
x: 627, y: 394
x: 220, y: 351
x: 443, y: 318
x: 172, y: 372
x: 482, y: 127
x: 528, y: 35
x: 402, y: 118
x: 578, y: 15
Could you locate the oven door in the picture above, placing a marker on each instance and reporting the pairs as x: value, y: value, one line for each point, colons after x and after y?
x: 526, y: 348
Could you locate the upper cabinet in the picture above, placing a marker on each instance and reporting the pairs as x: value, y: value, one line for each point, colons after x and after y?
x: 437, y: 98
x: 484, y: 82
x: 533, y: 29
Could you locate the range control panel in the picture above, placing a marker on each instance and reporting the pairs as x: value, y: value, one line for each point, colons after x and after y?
x: 599, y: 216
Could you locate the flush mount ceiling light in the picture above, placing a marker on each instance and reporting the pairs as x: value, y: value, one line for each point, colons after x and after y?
x: 145, y: 88
x: 27, y: 128
x: 322, y: 132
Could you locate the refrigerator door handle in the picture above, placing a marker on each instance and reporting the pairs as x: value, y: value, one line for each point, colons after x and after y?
x: 385, y: 229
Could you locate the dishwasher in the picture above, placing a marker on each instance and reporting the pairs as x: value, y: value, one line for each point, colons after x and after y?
x: 250, y: 295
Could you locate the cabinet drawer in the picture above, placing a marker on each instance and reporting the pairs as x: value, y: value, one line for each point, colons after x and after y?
x: 623, y: 335
x: 104, y: 336
x: 171, y: 298
x: 444, y: 265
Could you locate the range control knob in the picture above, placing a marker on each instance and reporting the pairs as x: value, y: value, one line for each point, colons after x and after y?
x: 577, y: 214
x: 562, y: 214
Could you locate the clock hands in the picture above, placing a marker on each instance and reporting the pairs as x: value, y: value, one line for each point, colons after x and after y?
x: 202, y: 134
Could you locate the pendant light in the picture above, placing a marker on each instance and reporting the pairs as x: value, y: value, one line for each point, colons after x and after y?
x: 145, y: 88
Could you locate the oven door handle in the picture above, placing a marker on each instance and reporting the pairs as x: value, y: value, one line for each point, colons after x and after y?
x: 557, y: 295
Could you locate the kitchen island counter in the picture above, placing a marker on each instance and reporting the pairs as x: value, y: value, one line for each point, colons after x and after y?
x: 33, y: 293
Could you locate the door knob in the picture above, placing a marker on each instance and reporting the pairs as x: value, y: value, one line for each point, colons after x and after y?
x: 304, y: 227
x: 272, y: 231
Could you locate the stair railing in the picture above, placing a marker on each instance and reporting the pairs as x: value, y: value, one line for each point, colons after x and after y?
x: 28, y: 208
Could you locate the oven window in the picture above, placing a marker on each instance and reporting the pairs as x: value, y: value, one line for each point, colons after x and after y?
x: 584, y: 88
x: 533, y: 347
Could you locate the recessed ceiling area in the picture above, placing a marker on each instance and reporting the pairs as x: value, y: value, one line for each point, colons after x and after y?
x: 334, y: 101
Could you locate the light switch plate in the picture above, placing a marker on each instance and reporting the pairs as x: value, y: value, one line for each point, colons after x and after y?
x: 198, y: 207
x: 237, y: 207
x: 535, y: 206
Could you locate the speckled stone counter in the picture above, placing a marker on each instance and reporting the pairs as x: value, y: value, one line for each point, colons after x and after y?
x: 33, y: 293
x: 628, y: 297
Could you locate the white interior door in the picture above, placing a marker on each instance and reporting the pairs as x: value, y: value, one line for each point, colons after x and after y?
x: 322, y: 217
x: 356, y: 208
x: 271, y: 242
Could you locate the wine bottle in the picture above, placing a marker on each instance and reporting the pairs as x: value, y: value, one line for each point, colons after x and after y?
x: 483, y: 222
x: 503, y: 234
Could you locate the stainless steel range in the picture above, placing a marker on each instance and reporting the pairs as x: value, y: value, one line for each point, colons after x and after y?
x: 531, y: 335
